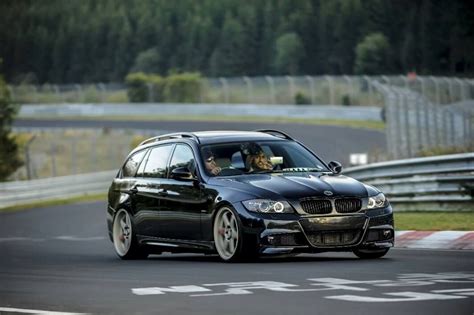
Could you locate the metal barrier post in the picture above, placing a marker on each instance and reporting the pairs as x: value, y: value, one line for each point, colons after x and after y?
x: 451, y: 90
x: 452, y: 128
x: 248, y: 82
x: 418, y: 125
x: 369, y: 86
x: 291, y: 85
x: 351, y: 88
x: 271, y: 86
x: 311, y: 88
x: 151, y: 97
x: 398, y: 119
x: 225, y: 89
x: 332, y: 95
x: 406, y: 129
x: 53, y: 159
x: 102, y: 88
x: 73, y: 155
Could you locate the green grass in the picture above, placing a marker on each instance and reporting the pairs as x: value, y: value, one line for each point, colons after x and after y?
x: 364, y: 124
x: 434, y: 221
x: 55, y: 202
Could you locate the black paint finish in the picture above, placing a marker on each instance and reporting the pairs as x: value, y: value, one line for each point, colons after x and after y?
x: 179, y: 213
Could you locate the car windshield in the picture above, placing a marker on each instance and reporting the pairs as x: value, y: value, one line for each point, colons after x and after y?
x: 240, y: 158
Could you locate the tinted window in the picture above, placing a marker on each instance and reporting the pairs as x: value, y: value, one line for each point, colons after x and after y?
x: 131, y: 166
x: 182, y: 157
x: 255, y: 156
x: 141, y: 169
x: 156, y: 162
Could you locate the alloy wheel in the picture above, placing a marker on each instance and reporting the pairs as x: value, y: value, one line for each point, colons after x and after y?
x: 226, y: 233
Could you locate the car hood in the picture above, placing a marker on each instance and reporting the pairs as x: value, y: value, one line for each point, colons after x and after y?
x: 294, y: 186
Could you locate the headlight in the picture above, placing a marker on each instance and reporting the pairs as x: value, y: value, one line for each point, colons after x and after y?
x: 267, y: 206
x: 377, y: 201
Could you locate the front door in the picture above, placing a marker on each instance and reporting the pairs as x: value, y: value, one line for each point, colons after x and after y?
x: 180, y: 215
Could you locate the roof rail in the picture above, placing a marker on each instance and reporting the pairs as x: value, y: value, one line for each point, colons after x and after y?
x: 171, y: 136
x: 278, y: 132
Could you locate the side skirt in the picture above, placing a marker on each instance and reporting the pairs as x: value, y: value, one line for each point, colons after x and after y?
x: 176, y: 245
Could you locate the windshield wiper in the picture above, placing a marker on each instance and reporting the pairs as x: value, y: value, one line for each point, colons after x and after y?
x: 264, y: 171
x: 302, y: 169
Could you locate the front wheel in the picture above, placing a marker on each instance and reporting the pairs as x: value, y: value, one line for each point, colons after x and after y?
x: 370, y: 253
x: 231, y: 243
x: 125, y: 242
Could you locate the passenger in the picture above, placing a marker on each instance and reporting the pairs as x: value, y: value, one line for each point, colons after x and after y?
x: 210, y: 162
x: 257, y: 159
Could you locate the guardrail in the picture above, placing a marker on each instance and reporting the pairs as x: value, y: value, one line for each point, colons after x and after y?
x: 162, y: 109
x: 434, y: 183
x: 23, y: 192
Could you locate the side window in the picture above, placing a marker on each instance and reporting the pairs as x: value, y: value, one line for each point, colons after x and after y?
x: 131, y: 166
x: 183, y: 157
x: 156, y: 162
x: 141, y: 169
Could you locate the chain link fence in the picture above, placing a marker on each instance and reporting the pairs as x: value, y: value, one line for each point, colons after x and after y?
x: 58, y: 152
x: 424, y: 119
x: 319, y: 90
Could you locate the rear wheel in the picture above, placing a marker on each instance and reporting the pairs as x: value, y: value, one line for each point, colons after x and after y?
x: 231, y: 243
x: 370, y: 253
x: 125, y: 242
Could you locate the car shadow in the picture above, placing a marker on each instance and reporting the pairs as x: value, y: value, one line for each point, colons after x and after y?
x: 336, y: 257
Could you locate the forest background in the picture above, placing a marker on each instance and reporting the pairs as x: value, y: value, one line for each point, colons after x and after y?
x: 86, y: 41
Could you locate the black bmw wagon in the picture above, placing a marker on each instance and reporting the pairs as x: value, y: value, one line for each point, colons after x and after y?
x: 241, y: 194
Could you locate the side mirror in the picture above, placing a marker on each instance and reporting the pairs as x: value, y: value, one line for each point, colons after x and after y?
x: 182, y: 173
x: 335, y: 167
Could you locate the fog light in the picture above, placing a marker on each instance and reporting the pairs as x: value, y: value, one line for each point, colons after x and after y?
x: 387, y: 233
x: 271, y: 239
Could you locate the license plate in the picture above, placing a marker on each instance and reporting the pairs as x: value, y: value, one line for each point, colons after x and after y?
x: 332, y: 238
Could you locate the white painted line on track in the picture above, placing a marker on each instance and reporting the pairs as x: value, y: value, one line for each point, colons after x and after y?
x: 27, y: 311
x: 399, y: 297
x: 21, y: 239
x: 53, y: 238
x: 77, y: 238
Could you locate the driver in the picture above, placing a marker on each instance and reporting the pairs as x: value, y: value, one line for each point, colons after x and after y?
x: 257, y: 159
x: 210, y: 162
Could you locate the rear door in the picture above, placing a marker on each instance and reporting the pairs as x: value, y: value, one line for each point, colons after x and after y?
x: 148, y: 191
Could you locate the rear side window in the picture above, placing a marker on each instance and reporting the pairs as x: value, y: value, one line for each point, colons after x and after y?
x: 131, y: 166
x: 156, y: 162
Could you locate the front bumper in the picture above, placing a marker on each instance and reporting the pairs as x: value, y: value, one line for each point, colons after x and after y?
x: 276, y: 234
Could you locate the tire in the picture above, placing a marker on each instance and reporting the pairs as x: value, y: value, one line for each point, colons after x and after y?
x: 124, y: 238
x: 370, y: 253
x: 231, y: 243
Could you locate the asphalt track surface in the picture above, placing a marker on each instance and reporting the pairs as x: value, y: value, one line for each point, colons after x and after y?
x: 329, y: 142
x: 59, y: 259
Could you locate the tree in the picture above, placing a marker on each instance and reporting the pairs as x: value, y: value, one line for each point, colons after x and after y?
x: 372, y: 55
x: 148, y: 61
x: 227, y: 58
x: 289, y: 53
x: 9, y: 159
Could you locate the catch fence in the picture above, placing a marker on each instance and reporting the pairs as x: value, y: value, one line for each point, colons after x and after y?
x: 317, y: 90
